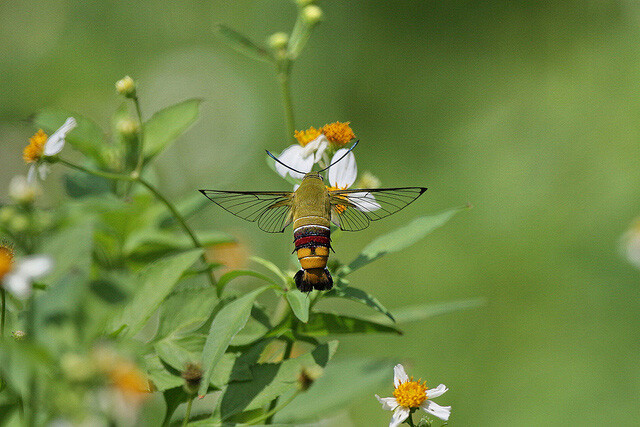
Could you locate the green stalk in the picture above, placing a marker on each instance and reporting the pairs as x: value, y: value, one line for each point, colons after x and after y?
x: 285, y: 90
x: 187, y: 415
x: 32, y: 410
x: 269, y: 415
x: 410, y: 419
x: 103, y: 174
x: 138, y: 169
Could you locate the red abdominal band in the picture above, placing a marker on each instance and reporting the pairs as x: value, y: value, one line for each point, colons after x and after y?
x: 322, y: 240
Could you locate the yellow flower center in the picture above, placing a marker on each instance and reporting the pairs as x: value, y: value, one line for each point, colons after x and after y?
x: 338, y: 133
x: 338, y: 208
x: 410, y: 394
x: 35, y: 149
x: 306, y: 136
x: 6, y: 260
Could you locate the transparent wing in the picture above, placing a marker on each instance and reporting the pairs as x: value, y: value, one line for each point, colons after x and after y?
x: 270, y: 209
x: 352, y: 210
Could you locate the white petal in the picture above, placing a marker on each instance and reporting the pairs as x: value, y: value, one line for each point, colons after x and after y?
x: 399, y: 375
x: 31, y: 175
x: 296, y: 186
x: 34, y: 266
x: 388, y: 403
x: 401, y: 413
x: 323, y: 143
x: 293, y: 156
x: 434, y: 409
x: 435, y: 392
x: 43, y: 171
x: 343, y: 174
x: 364, y: 201
x: 18, y: 284
x: 55, y: 142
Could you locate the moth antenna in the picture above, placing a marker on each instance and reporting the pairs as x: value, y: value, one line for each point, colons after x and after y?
x: 341, y: 157
x: 286, y: 166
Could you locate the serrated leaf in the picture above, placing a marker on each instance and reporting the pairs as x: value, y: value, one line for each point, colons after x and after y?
x: 242, y: 44
x: 414, y: 313
x: 165, y: 126
x: 229, y: 276
x: 226, y: 324
x: 299, y: 304
x: 87, y: 137
x: 323, y: 324
x: 342, y: 382
x: 399, y: 239
x: 355, y: 294
x: 148, y: 245
x: 157, y: 281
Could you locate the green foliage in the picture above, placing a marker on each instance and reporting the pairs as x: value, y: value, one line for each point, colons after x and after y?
x: 242, y: 44
x: 165, y: 126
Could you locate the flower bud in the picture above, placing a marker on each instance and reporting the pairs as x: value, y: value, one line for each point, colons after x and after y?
x: 6, y: 213
x: 126, y: 87
x: 278, y: 41
x: 308, y: 375
x: 19, y: 223
x: 22, y: 191
x: 192, y: 376
x: 18, y: 335
x: 128, y: 127
x: 312, y: 14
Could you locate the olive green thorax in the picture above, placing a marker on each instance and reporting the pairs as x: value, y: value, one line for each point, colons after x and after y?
x: 311, y: 202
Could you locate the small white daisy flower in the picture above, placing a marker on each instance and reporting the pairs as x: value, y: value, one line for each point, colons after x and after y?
x: 409, y: 395
x: 17, y: 277
x: 40, y: 146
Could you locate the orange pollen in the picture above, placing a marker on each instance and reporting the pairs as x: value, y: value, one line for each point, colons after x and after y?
x: 33, y: 152
x: 6, y: 261
x: 338, y: 133
x: 306, y: 136
x: 338, y: 208
x: 411, y: 394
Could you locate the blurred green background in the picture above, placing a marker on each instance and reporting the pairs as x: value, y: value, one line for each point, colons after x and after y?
x: 527, y: 110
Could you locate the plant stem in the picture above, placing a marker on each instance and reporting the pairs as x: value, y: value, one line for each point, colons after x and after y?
x: 180, y: 219
x: 410, y: 419
x: 158, y: 195
x: 187, y: 415
x: 33, y: 385
x: 103, y: 174
x: 285, y: 89
x: 3, y: 296
x: 272, y: 411
x: 138, y: 169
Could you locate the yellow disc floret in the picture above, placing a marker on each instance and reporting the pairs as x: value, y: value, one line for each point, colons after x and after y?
x: 410, y: 394
x: 35, y: 149
x: 306, y: 136
x: 6, y: 260
x: 338, y: 133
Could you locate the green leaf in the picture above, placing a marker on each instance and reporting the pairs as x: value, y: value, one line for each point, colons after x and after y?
x: 158, y: 374
x: 157, y: 281
x: 229, y: 276
x: 271, y: 380
x: 323, y: 324
x: 342, y: 382
x: 186, y: 310
x: 399, y: 239
x: 80, y: 184
x: 148, y: 245
x: 359, y: 295
x: 165, y: 126
x: 71, y: 250
x: 226, y: 324
x: 87, y: 137
x: 414, y: 313
x: 271, y: 267
x: 299, y: 303
x: 243, y: 45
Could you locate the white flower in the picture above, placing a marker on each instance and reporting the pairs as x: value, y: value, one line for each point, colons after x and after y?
x: 343, y: 174
x: 408, y: 395
x: 301, y: 158
x: 18, y: 277
x: 41, y: 147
